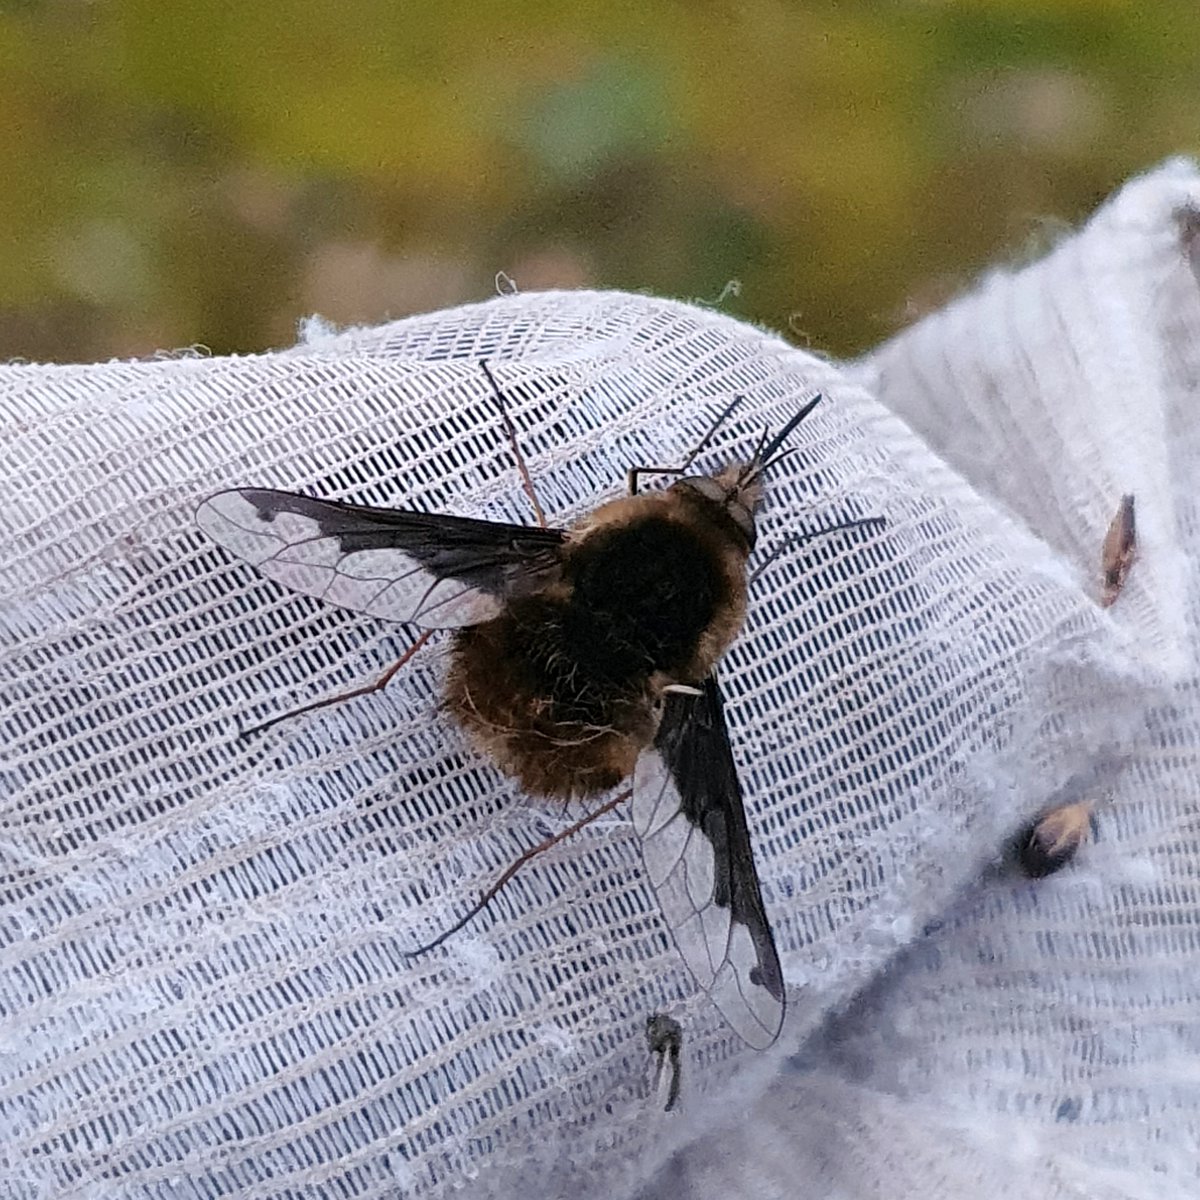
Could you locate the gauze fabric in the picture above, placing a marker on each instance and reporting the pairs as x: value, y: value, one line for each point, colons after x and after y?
x: 204, y: 981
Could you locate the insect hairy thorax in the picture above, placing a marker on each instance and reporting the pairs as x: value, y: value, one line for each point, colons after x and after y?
x: 562, y: 688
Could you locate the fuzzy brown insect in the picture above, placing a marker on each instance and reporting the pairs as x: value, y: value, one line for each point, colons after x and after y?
x: 564, y: 688
x: 581, y: 656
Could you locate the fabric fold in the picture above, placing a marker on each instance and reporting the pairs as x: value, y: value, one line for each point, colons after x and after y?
x: 203, y: 978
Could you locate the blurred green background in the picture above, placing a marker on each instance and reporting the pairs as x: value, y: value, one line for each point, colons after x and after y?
x: 208, y: 173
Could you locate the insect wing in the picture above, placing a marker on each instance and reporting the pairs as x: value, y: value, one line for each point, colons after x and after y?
x: 436, y: 571
x: 688, y: 814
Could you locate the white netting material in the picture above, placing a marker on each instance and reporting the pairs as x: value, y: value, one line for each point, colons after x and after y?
x: 203, y: 987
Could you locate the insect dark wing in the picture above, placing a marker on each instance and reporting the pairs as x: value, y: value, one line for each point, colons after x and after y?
x: 688, y: 813
x: 436, y: 571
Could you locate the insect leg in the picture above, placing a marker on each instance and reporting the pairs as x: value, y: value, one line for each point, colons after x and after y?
x: 366, y: 690
x: 632, y: 474
x: 514, y: 867
x: 793, y: 539
x: 526, y: 478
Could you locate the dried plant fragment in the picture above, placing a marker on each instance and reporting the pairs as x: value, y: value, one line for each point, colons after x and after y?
x: 1054, y: 838
x: 1120, y: 549
x: 664, y: 1037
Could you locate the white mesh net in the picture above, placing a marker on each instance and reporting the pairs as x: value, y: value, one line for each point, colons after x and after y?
x: 203, y: 981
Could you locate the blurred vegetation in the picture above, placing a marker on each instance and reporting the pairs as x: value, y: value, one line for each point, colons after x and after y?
x: 211, y: 172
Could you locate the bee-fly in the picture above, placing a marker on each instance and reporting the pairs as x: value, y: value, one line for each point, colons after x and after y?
x: 581, y: 656
x: 564, y: 686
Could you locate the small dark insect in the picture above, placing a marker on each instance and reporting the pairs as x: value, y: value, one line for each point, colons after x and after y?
x: 1120, y: 549
x: 664, y: 1038
x: 581, y: 656
x: 1052, y: 841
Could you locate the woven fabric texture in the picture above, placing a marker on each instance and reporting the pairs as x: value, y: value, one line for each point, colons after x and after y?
x: 204, y: 986
x: 1041, y: 1039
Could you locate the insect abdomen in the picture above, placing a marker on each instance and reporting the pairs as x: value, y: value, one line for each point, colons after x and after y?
x: 517, y: 685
